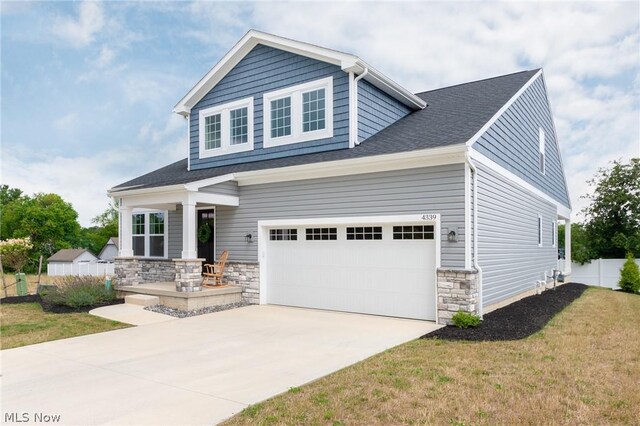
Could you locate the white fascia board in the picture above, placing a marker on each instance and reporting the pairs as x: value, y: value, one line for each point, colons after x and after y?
x: 115, y: 192
x: 160, y: 198
x: 347, y: 62
x: 501, y: 111
x: 378, y: 163
x: 214, y: 199
x: 194, y: 186
x: 389, y: 86
x: 562, y: 211
x: 425, y: 217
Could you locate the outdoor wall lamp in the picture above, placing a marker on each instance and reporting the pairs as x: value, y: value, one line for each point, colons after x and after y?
x: 248, y: 238
x: 452, y: 237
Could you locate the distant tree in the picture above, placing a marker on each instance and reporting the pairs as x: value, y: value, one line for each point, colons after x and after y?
x: 8, y: 195
x: 580, y: 249
x: 613, y: 216
x: 106, y: 226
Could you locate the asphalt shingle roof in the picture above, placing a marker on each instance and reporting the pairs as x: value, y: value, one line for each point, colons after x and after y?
x: 66, y: 255
x: 453, y: 115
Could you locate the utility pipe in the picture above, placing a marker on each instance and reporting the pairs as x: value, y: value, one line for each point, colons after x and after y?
x: 355, y: 102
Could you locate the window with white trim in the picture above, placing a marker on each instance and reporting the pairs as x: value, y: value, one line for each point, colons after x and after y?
x: 539, y: 231
x: 554, y: 230
x: 298, y: 113
x: 541, y: 144
x: 283, y: 234
x: 227, y: 128
x: 415, y: 232
x: 321, y: 234
x: 364, y: 233
x: 149, y: 234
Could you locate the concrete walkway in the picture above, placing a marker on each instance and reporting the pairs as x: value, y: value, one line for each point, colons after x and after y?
x: 130, y: 314
x: 193, y: 371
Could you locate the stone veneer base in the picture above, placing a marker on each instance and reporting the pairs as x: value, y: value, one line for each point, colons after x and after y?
x: 140, y: 270
x: 457, y: 291
x: 188, y: 274
x: 245, y: 275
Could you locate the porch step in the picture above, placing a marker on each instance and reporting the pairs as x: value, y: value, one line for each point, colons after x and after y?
x: 142, y: 299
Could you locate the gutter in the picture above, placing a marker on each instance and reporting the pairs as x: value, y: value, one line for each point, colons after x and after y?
x: 475, y: 233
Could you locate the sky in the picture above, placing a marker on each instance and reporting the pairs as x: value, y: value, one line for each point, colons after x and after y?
x: 88, y: 88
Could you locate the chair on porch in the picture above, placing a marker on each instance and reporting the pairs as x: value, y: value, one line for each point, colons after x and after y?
x: 212, y: 273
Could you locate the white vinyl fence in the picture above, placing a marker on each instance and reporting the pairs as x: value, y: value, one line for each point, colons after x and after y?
x: 600, y: 272
x: 83, y: 268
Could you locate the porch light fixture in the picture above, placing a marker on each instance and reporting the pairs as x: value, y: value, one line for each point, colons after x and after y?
x: 248, y: 238
x: 452, y: 237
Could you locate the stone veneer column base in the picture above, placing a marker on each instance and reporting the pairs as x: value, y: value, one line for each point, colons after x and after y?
x: 188, y: 274
x: 457, y: 291
x: 245, y: 275
x: 126, y: 271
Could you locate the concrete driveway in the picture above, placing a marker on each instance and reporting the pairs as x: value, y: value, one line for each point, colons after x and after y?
x: 198, y: 370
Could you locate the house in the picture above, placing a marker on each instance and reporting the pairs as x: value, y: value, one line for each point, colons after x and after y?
x: 110, y: 250
x: 67, y: 261
x: 333, y: 187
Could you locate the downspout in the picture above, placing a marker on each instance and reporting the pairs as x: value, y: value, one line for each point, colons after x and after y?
x: 355, y: 102
x: 187, y: 117
x: 475, y: 232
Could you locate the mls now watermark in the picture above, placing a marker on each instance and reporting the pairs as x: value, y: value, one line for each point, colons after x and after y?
x: 31, y: 418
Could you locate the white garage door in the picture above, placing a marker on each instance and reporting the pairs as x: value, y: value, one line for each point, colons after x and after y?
x: 374, y: 269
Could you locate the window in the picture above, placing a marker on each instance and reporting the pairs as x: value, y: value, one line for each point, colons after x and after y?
x: 299, y: 113
x: 539, y: 231
x: 316, y: 234
x: 413, y: 232
x: 283, y: 234
x: 149, y: 234
x: 212, y: 134
x: 281, y: 117
x: 226, y: 129
x: 541, y: 143
x: 554, y: 227
x: 313, y: 110
x: 364, y: 233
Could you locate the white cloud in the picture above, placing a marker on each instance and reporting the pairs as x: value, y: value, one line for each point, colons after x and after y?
x: 80, y: 31
x: 67, y: 123
x: 105, y: 57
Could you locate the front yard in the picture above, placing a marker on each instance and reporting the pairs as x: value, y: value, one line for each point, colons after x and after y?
x: 582, y: 368
x: 26, y: 323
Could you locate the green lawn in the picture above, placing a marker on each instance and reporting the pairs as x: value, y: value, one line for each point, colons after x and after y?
x: 26, y: 324
x: 582, y: 368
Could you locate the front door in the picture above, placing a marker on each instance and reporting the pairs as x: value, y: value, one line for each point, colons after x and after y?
x: 206, y: 235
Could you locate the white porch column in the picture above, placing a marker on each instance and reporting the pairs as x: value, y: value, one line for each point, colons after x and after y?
x: 189, y: 247
x: 567, y: 247
x: 126, y: 229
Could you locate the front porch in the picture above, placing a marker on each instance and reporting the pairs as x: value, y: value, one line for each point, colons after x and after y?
x: 185, y: 301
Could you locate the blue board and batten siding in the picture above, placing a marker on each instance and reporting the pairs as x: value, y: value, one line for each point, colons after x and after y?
x: 376, y: 110
x: 513, y: 142
x: 264, y: 70
x: 413, y: 191
x: 508, y: 250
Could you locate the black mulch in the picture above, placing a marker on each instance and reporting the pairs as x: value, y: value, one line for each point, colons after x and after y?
x: 517, y: 320
x: 49, y: 307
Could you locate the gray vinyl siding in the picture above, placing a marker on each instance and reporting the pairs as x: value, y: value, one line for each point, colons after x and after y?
x: 508, y: 250
x: 376, y: 110
x: 415, y: 191
x: 264, y: 70
x: 513, y: 142
x: 175, y: 232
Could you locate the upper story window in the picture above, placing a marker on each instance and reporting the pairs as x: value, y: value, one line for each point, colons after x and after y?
x: 541, y: 149
x: 227, y: 128
x: 149, y: 234
x: 299, y: 113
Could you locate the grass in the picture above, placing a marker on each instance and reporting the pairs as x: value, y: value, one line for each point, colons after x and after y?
x: 25, y: 324
x: 582, y: 368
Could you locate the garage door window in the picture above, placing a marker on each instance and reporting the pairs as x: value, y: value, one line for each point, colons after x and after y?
x: 283, y: 234
x: 416, y: 232
x: 319, y: 234
x: 364, y: 233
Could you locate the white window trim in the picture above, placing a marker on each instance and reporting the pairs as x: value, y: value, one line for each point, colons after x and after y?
x: 539, y: 231
x: 147, y: 235
x: 225, y: 128
x: 541, y: 144
x: 554, y: 233
x: 295, y: 93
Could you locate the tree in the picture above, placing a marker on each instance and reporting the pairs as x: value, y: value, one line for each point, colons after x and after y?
x: 613, y: 215
x: 580, y: 248
x: 7, y: 196
x: 630, y: 275
x: 95, y: 237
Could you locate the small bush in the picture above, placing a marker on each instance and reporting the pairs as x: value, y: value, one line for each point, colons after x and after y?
x: 80, y: 291
x: 630, y: 275
x: 463, y: 319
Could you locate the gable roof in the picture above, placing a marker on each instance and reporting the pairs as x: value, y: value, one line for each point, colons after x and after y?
x: 453, y: 116
x: 346, y: 61
x: 67, y: 255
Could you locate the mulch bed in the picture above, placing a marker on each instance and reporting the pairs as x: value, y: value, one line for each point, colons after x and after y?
x: 518, y: 320
x: 49, y: 307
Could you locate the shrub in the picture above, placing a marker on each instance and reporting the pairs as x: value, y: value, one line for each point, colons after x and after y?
x: 630, y: 275
x: 80, y: 291
x: 463, y: 319
x: 15, y: 252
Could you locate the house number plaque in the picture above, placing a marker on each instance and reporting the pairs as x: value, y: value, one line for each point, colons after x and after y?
x: 429, y: 216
